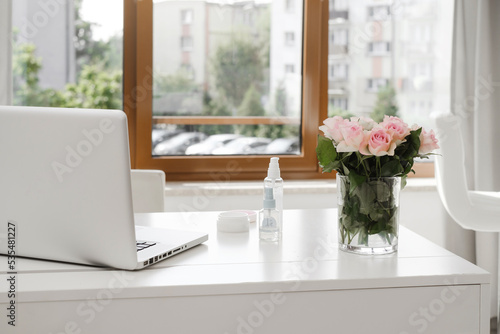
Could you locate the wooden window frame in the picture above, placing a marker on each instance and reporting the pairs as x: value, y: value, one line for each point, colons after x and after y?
x: 137, y: 86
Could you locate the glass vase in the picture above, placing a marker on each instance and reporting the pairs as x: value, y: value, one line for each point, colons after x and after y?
x: 368, y: 215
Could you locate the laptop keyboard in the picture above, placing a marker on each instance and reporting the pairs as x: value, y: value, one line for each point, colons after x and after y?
x: 144, y: 244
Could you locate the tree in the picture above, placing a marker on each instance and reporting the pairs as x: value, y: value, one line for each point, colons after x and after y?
x: 98, y: 85
x: 178, y: 82
x: 386, y: 104
x: 88, y: 50
x: 96, y: 89
x: 336, y: 111
x: 237, y: 65
x: 217, y: 106
x: 251, y: 105
x: 25, y: 68
x: 281, y: 100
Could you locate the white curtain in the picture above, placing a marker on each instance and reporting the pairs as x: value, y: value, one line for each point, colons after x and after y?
x: 475, y: 98
x: 5, y: 52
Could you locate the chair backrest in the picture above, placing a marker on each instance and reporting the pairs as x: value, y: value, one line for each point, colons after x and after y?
x: 450, y: 168
x: 148, y: 190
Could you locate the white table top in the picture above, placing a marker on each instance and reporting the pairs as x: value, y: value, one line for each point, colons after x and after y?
x: 306, y: 259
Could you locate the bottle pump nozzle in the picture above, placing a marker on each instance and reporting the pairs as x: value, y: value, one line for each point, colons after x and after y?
x: 273, y: 171
x: 269, y: 201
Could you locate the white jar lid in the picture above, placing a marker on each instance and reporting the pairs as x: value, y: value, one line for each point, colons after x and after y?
x: 233, y: 221
x: 252, y: 215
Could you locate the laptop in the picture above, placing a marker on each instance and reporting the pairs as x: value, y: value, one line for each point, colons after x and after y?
x: 65, y: 191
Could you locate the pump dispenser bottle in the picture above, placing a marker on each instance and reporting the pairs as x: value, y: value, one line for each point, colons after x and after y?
x: 271, y: 216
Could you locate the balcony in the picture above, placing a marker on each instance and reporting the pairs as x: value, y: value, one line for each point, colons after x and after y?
x: 339, y: 15
x: 417, y: 84
x: 334, y: 49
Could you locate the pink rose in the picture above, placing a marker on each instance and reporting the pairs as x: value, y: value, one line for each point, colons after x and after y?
x: 378, y: 142
x: 353, y: 136
x: 396, y: 127
x: 365, y: 122
x: 428, y: 142
x: 331, y: 129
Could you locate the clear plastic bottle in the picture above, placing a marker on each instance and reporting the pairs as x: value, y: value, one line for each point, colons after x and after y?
x: 269, y: 218
x: 273, y: 185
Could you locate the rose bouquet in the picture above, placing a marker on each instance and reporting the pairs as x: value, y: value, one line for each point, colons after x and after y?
x: 372, y: 161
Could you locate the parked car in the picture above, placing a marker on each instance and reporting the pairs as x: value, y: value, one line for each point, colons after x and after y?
x: 177, y: 145
x: 284, y: 146
x: 244, y: 145
x: 159, y: 135
x: 211, y: 143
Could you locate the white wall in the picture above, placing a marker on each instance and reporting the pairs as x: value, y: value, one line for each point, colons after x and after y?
x: 5, y: 53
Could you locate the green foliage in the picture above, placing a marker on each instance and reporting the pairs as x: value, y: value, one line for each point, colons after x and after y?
x: 368, y: 207
x: 179, y: 82
x: 264, y: 36
x: 96, y: 89
x: 88, y: 50
x: 251, y: 105
x: 237, y: 66
x: 215, y: 107
x: 386, y: 104
x: 274, y: 131
x: 26, y: 66
x: 334, y: 111
x: 281, y: 101
x: 99, y: 76
x: 327, y: 155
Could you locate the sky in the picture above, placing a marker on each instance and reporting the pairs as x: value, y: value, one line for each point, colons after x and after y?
x: 108, y: 14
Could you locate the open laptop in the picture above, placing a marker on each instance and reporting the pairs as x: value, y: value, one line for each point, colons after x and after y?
x: 65, y: 191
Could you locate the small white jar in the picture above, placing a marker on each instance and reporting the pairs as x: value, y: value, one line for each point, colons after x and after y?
x: 233, y: 221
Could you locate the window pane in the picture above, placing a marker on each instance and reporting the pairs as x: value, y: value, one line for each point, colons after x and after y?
x: 67, y: 53
x: 397, y: 59
x: 227, y: 77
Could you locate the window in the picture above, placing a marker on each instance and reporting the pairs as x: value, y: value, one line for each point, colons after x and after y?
x: 339, y: 10
x: 60, y: 49
x: 267, y: 107
x: 341, y: 103
x: 338, y: 71
x: 187, y: 16
x: 290, y: 5
x: 339, y: 37
x: 289, y: 38
x: 379, y: 48
x: 186, y: 43
x: 374, y: 85
x: 379, y: 13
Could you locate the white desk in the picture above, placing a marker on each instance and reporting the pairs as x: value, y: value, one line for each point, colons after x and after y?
x: 235, y: 284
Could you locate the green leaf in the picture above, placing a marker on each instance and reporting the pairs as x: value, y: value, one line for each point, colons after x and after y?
x: 327, y: 155
x: 409, y: 149
x: 403, y: 181
x: 355, y: 180
x: 381, y: 190
x: 391, y: 168
x: 366, y: 197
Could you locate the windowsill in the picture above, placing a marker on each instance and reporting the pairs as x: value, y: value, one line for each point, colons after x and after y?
x: 290, y: 187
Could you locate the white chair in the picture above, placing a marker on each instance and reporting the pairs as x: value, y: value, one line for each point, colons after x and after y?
x: 148, y: 190
x: 473, y: 210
